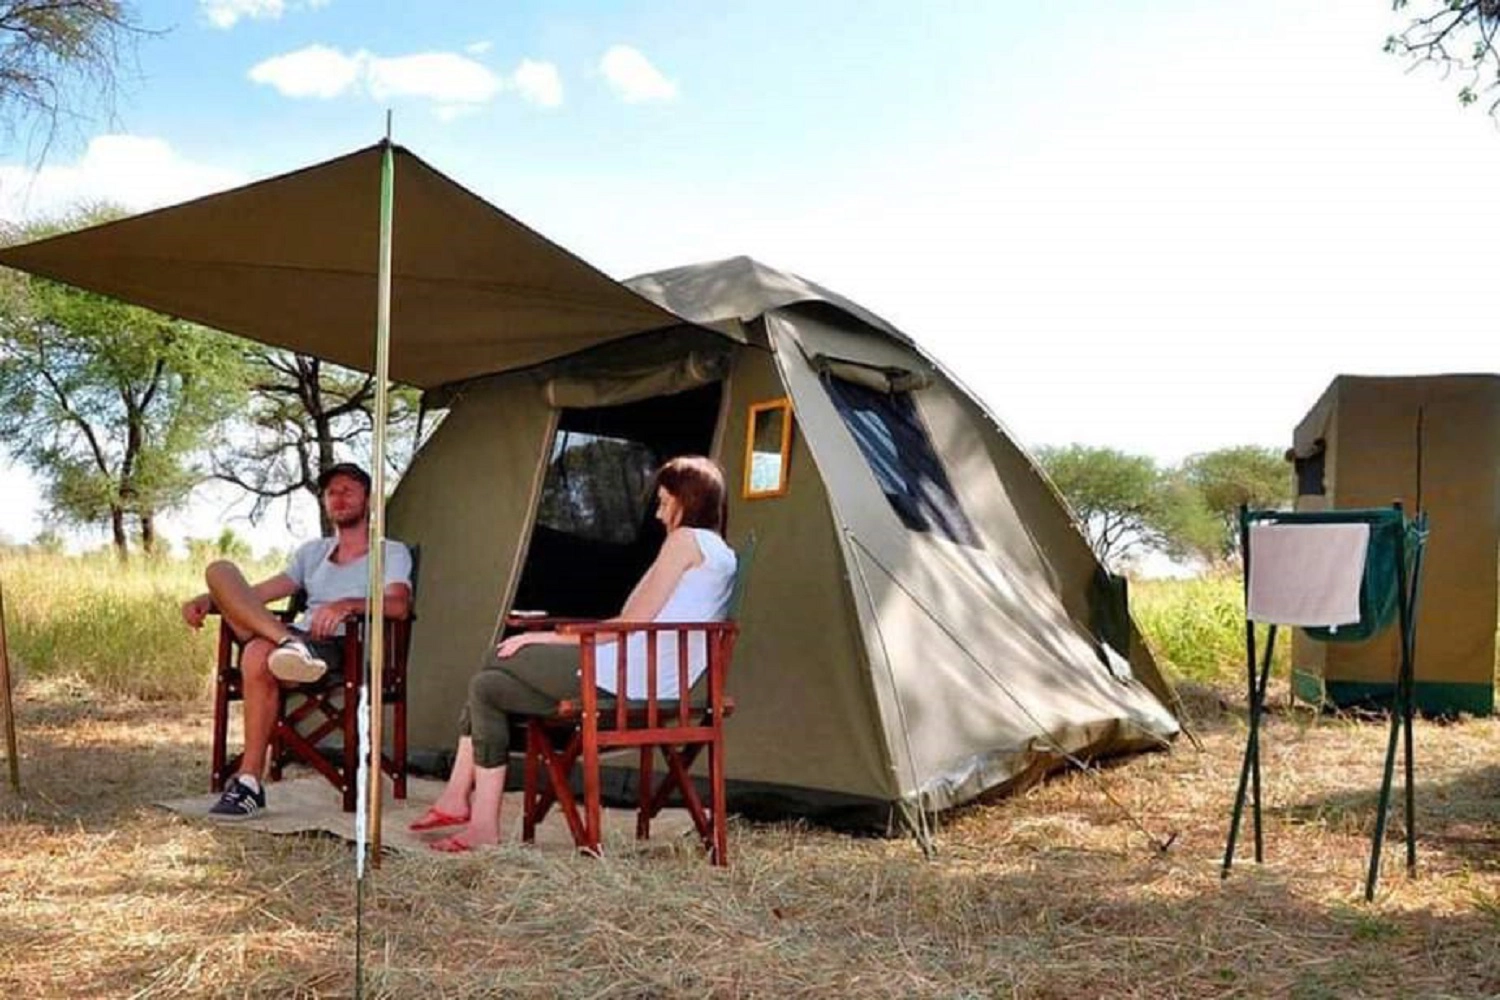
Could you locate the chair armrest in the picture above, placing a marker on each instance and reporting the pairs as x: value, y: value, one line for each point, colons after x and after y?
x: 584, y: 628
x: 530, y: 623
x: 359, y: 617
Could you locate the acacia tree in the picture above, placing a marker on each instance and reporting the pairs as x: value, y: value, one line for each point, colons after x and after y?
x: 1456, y: 35
x: 59, y: 60
x: 1124, y: 503
x: 1224, y: 479
x: 304, y: 415
x: 108, y: 403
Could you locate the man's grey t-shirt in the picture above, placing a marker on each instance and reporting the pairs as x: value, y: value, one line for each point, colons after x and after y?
x: 326, y: 581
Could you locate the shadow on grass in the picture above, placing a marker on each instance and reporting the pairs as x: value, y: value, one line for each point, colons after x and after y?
x: 1457, y: 816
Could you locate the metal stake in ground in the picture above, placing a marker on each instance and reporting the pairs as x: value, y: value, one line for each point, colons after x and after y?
x: 6, y: 706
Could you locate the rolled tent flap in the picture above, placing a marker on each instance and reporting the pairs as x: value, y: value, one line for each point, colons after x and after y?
x: 880, y: 379
x: 291, y: 262
x: 630, y: 383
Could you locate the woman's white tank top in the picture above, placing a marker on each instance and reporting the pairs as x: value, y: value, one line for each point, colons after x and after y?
x: 702, y: 595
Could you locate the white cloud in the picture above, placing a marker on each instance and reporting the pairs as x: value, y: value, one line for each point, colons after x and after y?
x: 631, y: 76
x: 539, y: 83
x: 135, y: 172
x: 225, y: 14
x: 316, y: 71
x: 479, y: 48
x: 456, y: 84
x: 440, y: 76
x: 453, y: 112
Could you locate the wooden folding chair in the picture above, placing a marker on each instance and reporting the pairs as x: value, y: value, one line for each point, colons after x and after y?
x: 680, y: 729
x: 310, y: 713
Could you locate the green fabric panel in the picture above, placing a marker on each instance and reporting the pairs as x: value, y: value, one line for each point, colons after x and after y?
x: 466, y: 500
x: 1379, y: 592
x: 1109, y: 603
x: 1432, y: 697
x: 1307, y: 687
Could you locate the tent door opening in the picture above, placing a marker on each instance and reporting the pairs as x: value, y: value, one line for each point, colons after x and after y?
x: 595, y: 530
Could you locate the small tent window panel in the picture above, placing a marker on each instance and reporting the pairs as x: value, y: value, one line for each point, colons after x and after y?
x: 894, y: 440
x: 768, y: 449
x: 597, y: 487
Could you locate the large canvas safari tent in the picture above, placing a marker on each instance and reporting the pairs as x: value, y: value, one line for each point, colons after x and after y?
x: 922, y: 622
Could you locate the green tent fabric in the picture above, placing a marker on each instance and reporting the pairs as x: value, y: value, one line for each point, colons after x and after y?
x: 291, y: 262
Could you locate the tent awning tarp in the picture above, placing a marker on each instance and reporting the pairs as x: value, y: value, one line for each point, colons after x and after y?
x: 291, y: 262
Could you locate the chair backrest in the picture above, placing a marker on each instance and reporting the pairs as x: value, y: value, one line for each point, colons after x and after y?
x: 744, y: 558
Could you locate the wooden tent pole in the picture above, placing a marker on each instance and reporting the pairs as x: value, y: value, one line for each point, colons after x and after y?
x: 7, y: 706
x: 377, y: 498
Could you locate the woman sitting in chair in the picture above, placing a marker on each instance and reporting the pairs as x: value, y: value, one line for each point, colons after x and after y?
x: 691, y: 579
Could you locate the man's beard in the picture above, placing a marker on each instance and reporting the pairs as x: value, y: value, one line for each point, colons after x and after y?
x: 350, y: 520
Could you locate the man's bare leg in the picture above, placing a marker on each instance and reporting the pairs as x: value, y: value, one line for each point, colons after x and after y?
x: 262, y: 699
x: 236, y: 601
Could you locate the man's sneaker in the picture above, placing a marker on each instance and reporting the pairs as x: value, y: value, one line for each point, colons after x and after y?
x: 239, y: 800
x: 292, y: 661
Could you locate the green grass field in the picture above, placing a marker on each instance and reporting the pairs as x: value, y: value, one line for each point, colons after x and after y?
x: 115, y: 627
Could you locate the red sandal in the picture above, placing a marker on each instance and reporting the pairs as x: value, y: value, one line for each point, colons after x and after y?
x: 452, y: 845
x: 435, y: 819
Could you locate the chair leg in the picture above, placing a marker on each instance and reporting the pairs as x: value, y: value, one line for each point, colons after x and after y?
x: 350, y: 718
x: 399, y: 740
x: 644, y: 795
x: 530, y: 776
x: 224, y: 661
x: 720, y: 854
x: 276, y: 752
x: 593, y: 812
x: 217, y: 767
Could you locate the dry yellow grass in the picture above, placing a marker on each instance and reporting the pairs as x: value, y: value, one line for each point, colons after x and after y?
x: 1050, y: 893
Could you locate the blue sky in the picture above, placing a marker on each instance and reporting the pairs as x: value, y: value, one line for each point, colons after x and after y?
x: 1161, y: 225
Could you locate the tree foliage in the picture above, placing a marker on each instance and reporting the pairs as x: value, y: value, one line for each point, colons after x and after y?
x: 107, y: 403
x: 1459, y: 36
x: 304, y: 415
x: 1251, y: 475
x: 60, y: 59
x: 1121, y: 500
x: 1128, y: 504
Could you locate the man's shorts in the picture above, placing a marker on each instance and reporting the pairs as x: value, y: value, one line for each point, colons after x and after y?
x: 330, y: 651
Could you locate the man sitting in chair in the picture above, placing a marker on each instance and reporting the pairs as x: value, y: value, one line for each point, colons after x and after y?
x: 334, y: 574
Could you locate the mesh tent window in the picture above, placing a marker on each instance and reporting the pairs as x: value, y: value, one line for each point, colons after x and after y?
x: 597, y: 487
x: 895, y: 442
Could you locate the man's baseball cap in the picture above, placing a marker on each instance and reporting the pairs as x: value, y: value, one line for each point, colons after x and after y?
x: 349, y: 469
